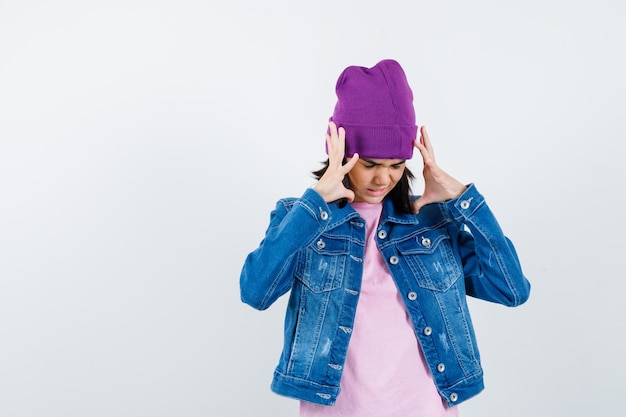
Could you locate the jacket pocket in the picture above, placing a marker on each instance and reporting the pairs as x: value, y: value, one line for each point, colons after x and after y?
x: 431, y: 259
x: 322, y: 264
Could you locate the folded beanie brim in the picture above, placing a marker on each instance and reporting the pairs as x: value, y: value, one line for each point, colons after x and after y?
x: 381, y: 142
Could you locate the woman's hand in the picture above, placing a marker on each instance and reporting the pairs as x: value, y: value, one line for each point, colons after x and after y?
x: 330, y: 186
x: 438, y: 185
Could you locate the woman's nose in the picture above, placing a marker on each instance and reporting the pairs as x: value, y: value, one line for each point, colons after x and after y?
x: 381, y: 176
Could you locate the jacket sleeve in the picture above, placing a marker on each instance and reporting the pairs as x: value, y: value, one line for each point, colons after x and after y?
x: 490, y: 263
x: 268, y: 271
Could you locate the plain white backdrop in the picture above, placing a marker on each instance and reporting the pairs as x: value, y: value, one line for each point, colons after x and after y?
x: 144, y: 143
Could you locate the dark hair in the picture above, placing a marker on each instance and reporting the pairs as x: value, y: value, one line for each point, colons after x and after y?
x: 400, y: 195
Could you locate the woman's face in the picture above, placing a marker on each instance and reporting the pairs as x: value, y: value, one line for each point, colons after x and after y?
x: 372, y: 179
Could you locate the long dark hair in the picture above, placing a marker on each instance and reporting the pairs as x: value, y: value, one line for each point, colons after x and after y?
x: 400, y: 195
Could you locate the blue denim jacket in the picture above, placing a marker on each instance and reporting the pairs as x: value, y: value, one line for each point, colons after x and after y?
x: 436, y: 257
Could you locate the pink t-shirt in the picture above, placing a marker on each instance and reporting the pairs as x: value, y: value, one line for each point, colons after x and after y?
x: 385, y: 373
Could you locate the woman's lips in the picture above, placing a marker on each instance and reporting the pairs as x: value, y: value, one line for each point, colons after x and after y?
x: 376, y: 192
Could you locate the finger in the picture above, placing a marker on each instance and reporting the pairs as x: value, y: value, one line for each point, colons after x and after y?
x: 332, y: 134
x: 426, y: 155
x: 351, y: 163
x: 342, y: 133
x: 335, y: 145
x: 331, y: 147
x: 419, y: 145
x: 341, y: 144
x: 333, y: 128
x: 426, y: 141
x: 338, y: 148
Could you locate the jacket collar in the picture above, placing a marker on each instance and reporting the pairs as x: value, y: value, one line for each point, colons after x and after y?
x: 390, y: 214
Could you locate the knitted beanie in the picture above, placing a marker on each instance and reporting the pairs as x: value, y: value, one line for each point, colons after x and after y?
x: 375, y: 107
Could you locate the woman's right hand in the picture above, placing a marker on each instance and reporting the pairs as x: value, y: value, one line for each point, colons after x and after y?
x: 330, y: 186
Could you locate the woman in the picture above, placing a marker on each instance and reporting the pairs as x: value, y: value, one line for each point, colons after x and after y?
x: 377, y: 322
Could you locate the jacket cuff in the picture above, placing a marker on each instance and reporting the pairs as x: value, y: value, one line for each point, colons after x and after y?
x: 465, y: 205
x: 313, y: 202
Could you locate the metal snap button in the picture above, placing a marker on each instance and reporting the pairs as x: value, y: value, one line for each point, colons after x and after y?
x: 321, y: 244
x: 426, y: 242
x: 428, y: 331
x: 323, y: 215
x: 441, y: 367
x: 454, y: 397
x: 412, y: 296
x: 394, y: 260
x: 382, y: 234
x: 465, y: 204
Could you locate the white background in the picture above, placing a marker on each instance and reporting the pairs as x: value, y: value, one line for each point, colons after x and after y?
x: 144, y: 143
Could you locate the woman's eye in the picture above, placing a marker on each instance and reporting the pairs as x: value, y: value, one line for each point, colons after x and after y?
x: 369, y: 166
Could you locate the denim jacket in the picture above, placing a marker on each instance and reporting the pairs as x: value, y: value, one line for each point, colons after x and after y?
x: 436, y: 257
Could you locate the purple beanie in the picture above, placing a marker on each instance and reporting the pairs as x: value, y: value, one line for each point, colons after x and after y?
x: 375, y: 107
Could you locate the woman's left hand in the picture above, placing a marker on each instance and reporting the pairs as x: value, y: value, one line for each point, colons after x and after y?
x: 438, y: 185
